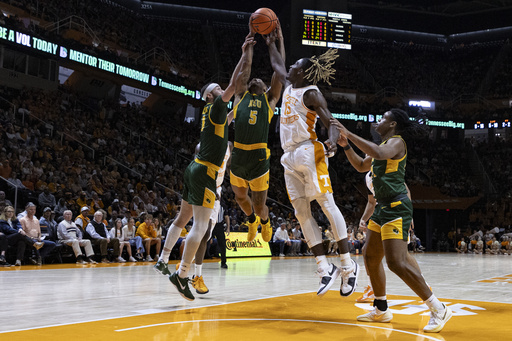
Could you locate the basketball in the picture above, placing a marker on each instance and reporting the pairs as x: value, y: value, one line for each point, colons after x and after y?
x: 263, y: 21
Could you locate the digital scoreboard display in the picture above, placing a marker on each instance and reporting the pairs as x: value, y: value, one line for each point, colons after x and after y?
x: 327, y: 29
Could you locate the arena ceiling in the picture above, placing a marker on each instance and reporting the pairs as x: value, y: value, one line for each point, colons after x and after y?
x: 433, y: 16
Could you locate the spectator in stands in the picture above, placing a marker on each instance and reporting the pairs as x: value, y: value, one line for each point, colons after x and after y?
x: 14, y: 182
x: 83, y: 220
x: 117, y: 231
x: 297, y: 233
x: 69, y: 234
x: 15, y: 234
x: 99, y: 236
x: 82, y: 200
x: 60, y: 207
x: 295, y: 247
x: 31, y: 227
x: 3, y: 247
x: 281, y: 238
x: 114, y: 207
x: 3, y: 199
x: 147, y: 232
x: 48, y: 219
x: 332, y: 248
x: 129, y: 234
x: 96, y: 203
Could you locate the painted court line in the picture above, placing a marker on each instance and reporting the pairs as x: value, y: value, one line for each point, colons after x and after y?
x: 280, y: 320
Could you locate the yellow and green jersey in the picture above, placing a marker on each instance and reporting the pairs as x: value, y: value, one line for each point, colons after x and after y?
x: 388, y: 177
x: 252, y: 119
x: 214, y: 133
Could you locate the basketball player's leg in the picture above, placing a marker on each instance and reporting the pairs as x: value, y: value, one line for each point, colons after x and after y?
x: 373, y: 252
x: 394, y: 235
x: 197, y: 232
x: 259, y: 200
x: 174, y: 232
x: 197, y: 280
x: 242, y: 198
x: 259, y: 189
x: 350, y: 269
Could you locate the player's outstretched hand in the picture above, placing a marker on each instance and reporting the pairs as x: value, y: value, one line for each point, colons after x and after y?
x: 343, y: 131
x: 249, y: 40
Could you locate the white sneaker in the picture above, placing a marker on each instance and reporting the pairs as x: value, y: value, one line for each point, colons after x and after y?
x: 437, y: 320
x: 327, y: 279
x: 376, y: 315
x: 121, y: 259
x: 281, y: 255
x: 149, y: 259
x: 131, y: 259
x: 349, y: 279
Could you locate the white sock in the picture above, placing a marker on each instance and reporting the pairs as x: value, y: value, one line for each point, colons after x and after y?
x: 183, y: 270
x: 322, y: 263
x: 345, y: 260
x: 434, y: 304
x: 173, y: 234
x: 199, y: 270
x: 382, y: 298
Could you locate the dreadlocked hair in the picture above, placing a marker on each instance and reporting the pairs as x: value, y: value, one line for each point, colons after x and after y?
x: 408, y: 128
x: 320, y: 68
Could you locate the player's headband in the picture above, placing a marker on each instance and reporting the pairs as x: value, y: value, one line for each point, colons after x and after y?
x: 208, y: 90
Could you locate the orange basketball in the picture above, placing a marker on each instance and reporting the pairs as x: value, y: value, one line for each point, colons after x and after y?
x: 263, y: 21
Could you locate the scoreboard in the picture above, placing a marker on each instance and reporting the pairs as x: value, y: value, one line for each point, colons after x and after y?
x: 327, y: 29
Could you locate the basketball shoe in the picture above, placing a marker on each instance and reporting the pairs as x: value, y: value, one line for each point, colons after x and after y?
x: 162, y: 268
x: 327, y: 278
x: 349, y: 279
x: 253, y: 229
x: 438, y: 320
x: 266, y: 231
x: 376, y: 315
x: 181, y: 285
x: 198, y: 284
x: 367, y: 295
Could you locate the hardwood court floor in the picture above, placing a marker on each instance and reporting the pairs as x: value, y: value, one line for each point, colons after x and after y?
x: 255, y: 299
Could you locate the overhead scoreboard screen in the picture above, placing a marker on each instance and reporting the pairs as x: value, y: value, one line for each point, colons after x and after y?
x: 327, y: 29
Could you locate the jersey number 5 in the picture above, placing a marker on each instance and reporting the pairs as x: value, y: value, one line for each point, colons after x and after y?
x: 253, y: 117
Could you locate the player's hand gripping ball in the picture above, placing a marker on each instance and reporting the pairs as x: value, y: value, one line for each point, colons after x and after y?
x: 263, y: 21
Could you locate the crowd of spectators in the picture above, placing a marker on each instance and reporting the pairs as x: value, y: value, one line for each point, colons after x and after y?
x: 442, y: 72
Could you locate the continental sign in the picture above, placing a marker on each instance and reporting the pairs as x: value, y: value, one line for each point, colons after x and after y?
x: 238, y: 246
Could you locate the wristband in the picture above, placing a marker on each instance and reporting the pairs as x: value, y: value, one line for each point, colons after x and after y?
x: 347, y: 147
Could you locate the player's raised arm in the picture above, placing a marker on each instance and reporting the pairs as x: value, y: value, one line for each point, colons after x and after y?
x: 279, y: 76
x: 242, y: 71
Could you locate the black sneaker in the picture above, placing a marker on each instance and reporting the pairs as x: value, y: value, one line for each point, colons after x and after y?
x: 181, y: 285
x: 3, y: 261
x: 80, y: 260
x: 224, y: 266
